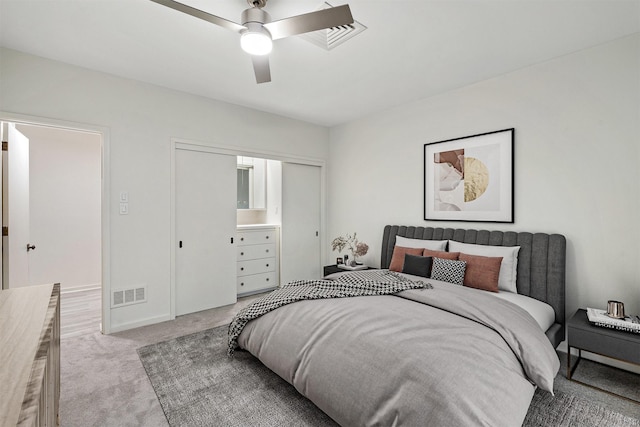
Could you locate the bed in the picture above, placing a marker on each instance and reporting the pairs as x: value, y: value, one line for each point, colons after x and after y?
x: 438, y: 355
x: 541, y: 262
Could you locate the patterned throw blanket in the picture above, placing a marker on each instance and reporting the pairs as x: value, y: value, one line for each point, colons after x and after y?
x: 354, y: 284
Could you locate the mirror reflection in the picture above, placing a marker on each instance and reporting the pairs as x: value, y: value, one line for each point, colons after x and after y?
x: 252, y: 183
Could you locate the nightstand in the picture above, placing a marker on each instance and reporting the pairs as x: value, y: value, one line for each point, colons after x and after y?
x: 619, y: 345
x: 330, y: 269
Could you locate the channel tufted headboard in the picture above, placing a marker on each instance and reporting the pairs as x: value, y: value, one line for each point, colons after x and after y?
x: 541, y: 261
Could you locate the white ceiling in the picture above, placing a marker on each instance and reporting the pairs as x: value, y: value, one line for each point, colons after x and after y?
x: 411, y: 49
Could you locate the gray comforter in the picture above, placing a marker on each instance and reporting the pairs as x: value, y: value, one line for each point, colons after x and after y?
x: 448, y: 356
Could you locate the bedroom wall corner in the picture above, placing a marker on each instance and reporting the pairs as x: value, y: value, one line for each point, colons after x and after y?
x: 577, y: 163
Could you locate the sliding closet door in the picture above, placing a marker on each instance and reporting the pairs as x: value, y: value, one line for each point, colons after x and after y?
x: 205, y: 203
x: 300, y: 244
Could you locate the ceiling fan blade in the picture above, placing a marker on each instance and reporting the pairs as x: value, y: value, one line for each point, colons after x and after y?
x: 230, y: 25
x: 261, y: 68
x: 319, y: 20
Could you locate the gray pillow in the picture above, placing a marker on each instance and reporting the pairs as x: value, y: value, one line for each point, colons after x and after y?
x: 417, y: 265
x: 448, y: 270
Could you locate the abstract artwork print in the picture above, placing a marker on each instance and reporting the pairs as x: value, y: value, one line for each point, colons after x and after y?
x: 467, y: 178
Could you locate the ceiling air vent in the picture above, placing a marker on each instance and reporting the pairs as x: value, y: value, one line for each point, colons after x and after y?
x: 332, y: 37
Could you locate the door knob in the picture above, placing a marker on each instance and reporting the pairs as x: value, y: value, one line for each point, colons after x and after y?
x: 30, y: 247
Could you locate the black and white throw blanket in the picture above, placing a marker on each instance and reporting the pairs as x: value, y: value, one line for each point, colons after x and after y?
x: 358, y: 283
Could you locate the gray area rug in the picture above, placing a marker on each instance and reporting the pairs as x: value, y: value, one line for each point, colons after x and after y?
x: 198, y: 385
x: 566, y: 410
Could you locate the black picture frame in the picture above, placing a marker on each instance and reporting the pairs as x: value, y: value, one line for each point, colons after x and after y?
x: 471, y: 178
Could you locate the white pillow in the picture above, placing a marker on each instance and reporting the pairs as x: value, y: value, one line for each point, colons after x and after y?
x: 508, y: 267
x: 434, y: 245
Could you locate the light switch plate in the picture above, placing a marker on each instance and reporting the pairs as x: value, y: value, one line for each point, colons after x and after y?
x: 124, y: 196
x: 124, y: 208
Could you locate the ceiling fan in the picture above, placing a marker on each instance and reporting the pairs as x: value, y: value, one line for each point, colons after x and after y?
x: 257, y: 31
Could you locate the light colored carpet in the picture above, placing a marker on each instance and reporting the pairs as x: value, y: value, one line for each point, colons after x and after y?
x: 607, y: 377
x: 198, y: 385
x: 104, y: 384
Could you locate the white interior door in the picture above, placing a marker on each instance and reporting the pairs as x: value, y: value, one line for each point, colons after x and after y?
x: 16, y: 210
x: 205, y: 203
x: 3, y: 137
x: 300, y: 244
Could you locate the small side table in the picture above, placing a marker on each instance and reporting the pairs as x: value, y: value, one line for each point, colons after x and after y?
x: 619, y: 345
x: 330, y: 269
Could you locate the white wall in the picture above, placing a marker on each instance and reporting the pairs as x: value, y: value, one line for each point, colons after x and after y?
x: 576, y: 160
x: 64, y: 184
x: 142, y: 119
x: 577, y: 164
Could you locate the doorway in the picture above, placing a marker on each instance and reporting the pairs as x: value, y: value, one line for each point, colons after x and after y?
x: 63, y: 220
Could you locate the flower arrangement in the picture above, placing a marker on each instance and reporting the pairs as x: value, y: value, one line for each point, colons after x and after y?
x: 356, y: 247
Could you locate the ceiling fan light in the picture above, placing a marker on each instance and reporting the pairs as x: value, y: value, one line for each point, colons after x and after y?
x: 256, y: 43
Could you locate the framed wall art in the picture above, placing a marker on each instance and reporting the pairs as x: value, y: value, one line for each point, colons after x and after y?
x: 470, y: 178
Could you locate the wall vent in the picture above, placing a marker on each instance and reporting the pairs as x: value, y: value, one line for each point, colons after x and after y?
x: 335, y: 36
x: 118, y: 298
x: 122, y: 297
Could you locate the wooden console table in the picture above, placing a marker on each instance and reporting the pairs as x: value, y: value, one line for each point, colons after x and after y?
x: 30, y: 356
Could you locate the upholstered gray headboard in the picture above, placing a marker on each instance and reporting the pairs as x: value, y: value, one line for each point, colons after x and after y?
x: 541, y: 261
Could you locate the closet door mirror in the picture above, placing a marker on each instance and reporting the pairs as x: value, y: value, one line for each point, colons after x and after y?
x: 252, y: 183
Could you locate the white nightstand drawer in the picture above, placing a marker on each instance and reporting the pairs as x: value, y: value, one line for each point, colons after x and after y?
x: 267, y: 250
x: 257, y: 282
x: 256, y: 237
x: 256, y: 266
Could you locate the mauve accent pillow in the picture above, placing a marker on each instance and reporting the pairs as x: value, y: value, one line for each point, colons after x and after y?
x: 441, y: 254
x: 417, y: 265
x: 397, y: 260
x: 509, y: 254
x: 482, y: 272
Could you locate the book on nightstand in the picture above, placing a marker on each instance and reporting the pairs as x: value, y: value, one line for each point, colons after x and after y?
x: 600, y: 318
